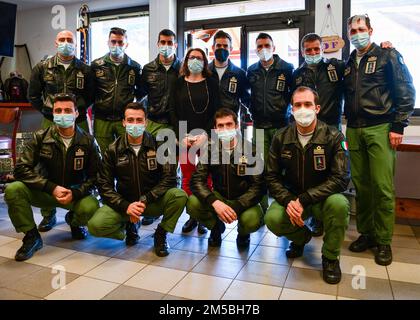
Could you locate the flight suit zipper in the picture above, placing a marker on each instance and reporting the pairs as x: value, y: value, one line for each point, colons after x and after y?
x: 137, y: 172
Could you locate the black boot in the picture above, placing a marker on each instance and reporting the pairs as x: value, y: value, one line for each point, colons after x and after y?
x: 147, y: 221
x: 331, y: 272
x: 201, y: 229
x: 189, y: 225
x: 383, y: 256
x: 31, y: 242
x: 295, y: 250
x: 161, y: 243
x: 78, y: 232
x: 317, y: 227
x: 362, y: 243
x: 215, y: 239
x: 131, y: 233
x: 47, y: 223
x: 243, y: 241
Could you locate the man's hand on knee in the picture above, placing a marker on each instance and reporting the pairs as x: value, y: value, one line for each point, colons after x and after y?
x: 224, y: 212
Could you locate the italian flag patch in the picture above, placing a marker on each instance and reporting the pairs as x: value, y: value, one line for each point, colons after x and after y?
x: 344, y: 145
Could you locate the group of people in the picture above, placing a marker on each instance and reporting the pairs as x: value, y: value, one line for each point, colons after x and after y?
x: 303, y: 159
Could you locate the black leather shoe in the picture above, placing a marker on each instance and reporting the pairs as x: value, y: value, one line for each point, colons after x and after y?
x: 317, y: 227
x: 362, y: 243
x: 78, y: 233
x: 32, y: 242
x: 383, y: 256
x: 201, y: 229
x: 215, y: 239
x: 295, y: 250
x: 160, y: 242
x: 243, y: 241
x: 189, y: 225
x: 147, y: 221
x: 131, y: 233
x: 47, y: 223
x: 331, y: 272
x: 69, y: 217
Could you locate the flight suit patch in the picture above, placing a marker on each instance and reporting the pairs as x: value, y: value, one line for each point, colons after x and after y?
x: 242, y: 166
x: 281, y: 83
x: 332, y: 73
x: 319, y: 159
x: 78, y: 163
x: 286, y: 154
x: 48, y: 77
x: 79, y: 153
x: 46, y: 153
x: 233, y: 85
x: 371, y: 65
x: 151, y: 160
x: 131, y: 77
x: 299, y: 81
x: 80, y: 81
x: 99, y: 73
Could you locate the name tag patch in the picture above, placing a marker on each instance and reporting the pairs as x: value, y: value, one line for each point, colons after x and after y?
x: 233, y: 85
x: 281, y: 83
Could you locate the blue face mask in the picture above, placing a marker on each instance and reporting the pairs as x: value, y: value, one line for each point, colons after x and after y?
x: 360, y: 40
x: 116, y: 51
x: 166, y: 51
x: 315, y: 59
x: 64, y: 120
x: 135, y: 130
x: 195, y: 65
x: 66, y: 49
x: 226, y: 135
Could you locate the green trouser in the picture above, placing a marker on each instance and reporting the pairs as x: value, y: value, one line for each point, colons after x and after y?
x: 47, y: 123
x: 268, y: 137
x: 333, y: 212
x: 154, y: 127
x: 372, y: 163
x: 106, y: 132
x: 249, y: 221
x: 108, y: 223
x: 20, y: 198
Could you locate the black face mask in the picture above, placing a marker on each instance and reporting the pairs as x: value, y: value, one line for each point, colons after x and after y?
x: 221, y: 54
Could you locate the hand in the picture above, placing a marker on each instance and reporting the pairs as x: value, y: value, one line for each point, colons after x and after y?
x: 59, y: 192
x: 135, y: 210
x: 66, y: 199
x: 200, y: 140
x: 224, y: 212
x: 386, y: 45
x: 294, y: 210
x: 188, y: 141
x: 134, y: 219
x: 395, y: 139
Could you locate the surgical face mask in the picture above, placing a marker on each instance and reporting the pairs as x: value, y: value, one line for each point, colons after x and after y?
x: 66, y: 49
x: 116, y: 51
x: 304, y: 116
x: 64, y: 120
x: 135, y: 130
x: 166, y: 51
x: 315, y: 59
x: 226, y: 135
x: 360, y: 40
x: 221, y: 54
x: 265, y: 54
x: 195, y: 65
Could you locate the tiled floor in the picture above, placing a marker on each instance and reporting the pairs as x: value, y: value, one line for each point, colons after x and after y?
x: 107, y: 269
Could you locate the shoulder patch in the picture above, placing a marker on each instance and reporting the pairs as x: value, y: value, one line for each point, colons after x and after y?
x: 345, y: 145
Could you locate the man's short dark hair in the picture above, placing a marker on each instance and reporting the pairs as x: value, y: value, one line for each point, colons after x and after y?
x: 222, y: 35
x: 66, y: 97
x: 136, y: 106
x: 225, y: 112
x: 303, y: 89
x: 359, y: 17
x: 264, y: 35
x: 310, y: 37
x: 118, y: 31
x: 167, y: 33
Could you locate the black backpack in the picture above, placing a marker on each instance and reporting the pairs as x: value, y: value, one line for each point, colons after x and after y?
x: 16, y: 88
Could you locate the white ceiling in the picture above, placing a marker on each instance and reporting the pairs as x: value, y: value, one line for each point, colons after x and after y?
x: 34, y: 4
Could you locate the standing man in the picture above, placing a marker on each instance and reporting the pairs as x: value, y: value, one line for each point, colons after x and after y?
x: 117, y: 83
x: 236, y: 193
x: 307, y: 170
x: 145, y: 186
x: 62, y: 73
x: 233, y: 84
x: 379, y: 99
x: 57, y: 169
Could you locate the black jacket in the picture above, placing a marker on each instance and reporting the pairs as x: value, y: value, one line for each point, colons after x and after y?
x: 328, y: 81
x: 380, y: 91
x: 233, y: 87
x: 45, y: 164
x: 115, y: 86
x: 230, y: 180
x: 49, y: 78
x: 158, y: 83
x: 311, y: 174
x: 270, y: 93
x: 134, y: 176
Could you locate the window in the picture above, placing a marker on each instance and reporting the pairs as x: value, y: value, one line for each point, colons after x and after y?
x: 242, y: 8
x: 137, y: 26
x: 398, y: 22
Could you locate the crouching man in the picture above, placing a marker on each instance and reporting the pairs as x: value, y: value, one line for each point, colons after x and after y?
x: 238, y: 185
x: 57, y: 169
x: 306, y: 172
x: 144, y: 186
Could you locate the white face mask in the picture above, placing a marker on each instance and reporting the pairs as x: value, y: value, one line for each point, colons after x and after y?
x: 265, y: 54
x: 304, y: 116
